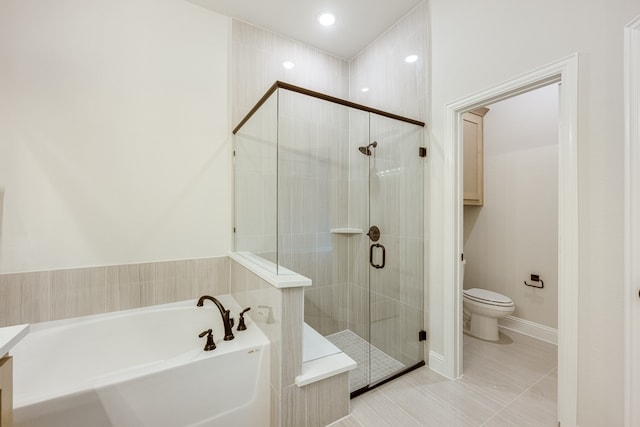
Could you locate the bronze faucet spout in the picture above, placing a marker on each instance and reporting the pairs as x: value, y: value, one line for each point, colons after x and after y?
x: 227, y: 321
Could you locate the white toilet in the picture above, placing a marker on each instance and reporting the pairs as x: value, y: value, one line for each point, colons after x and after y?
x: 485, y: 308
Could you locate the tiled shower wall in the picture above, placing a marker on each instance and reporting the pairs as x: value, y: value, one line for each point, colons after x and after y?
x: 321, y: 197
x: 257, y: 63
x: 394, y: 85
x: 400, y: 88
x: 255, y: 182
x: 51, y: 295
x: 313, y: 168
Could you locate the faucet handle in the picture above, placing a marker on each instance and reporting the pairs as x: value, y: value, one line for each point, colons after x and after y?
x: 210, y: 345
x: 241, y: 325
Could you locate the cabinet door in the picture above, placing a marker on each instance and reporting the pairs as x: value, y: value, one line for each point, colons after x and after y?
x: 6, y: 391
x: 473, y: 162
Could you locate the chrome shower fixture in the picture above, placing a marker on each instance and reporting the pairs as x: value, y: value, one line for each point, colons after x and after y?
x: 365, y: 150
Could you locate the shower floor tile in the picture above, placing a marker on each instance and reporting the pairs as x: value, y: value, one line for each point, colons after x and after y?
x: 373, y: 363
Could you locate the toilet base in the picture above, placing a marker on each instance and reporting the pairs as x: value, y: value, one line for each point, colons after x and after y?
x: 483, y: 327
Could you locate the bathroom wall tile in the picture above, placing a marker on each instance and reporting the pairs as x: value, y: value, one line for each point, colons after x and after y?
x: 359, y: 310
x: 340, y: 258
x: 327, y: 401
x: 411, y: 321
x: 275, y: 407
x: 24, y: 298
x: 174, y: 281
x: 383, y: 62
x: 78, y: 292
x: 266, y: 310
x: 326, y: 308
x: 237, y: 279
x: 411, y: 263
x: 292, y: 410
x: 112, y: 291
x: 334, y: 303
x: 36, y: 294
x: 185, y: 280
x: 357, y: 171
x: 50, y: 295
x: 212, y: 276
x: 257, y: 63
x: 313, y: 313
x: 292, y: 320
x: 129, y: 286
x: 165, y: 284
x: 325, y: 261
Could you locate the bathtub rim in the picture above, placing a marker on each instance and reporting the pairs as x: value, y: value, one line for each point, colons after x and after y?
x: 254, y: 339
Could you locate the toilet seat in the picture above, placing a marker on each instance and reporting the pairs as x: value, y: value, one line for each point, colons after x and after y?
x: 485, y: 296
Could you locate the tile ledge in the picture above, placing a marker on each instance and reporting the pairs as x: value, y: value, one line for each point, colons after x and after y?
x: 326, y: 367
x: 262, y: 267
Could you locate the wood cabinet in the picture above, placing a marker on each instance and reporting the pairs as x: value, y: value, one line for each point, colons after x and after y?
x: 6, y: 391
x: 473, y: 170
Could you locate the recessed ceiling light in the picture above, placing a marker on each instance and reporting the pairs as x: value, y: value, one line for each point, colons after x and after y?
x: 288, y: 65
x: 411, y: 58
x: 326, y: 19
x: 365, y: 89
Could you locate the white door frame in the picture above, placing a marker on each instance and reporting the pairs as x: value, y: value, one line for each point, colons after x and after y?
x: 565, y: 72
x: 632, y: 222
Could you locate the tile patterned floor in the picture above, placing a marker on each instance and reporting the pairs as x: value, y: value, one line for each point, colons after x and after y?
x: 382, y: 365
x: 511, y: 383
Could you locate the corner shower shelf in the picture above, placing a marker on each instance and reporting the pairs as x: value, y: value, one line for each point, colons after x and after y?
x: 346, y: 230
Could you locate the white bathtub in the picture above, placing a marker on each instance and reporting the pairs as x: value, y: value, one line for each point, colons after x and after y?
x: 142, y: 367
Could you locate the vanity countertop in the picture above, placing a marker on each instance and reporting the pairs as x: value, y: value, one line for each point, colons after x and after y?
x: 10, y: 336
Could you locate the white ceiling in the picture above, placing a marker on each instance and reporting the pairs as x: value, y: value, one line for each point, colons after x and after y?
x: 358, y: 22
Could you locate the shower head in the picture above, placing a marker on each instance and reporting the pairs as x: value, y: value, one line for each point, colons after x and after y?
x: 366, y: 150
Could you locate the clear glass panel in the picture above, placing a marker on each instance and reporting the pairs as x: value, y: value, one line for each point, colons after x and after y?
x: 396, y: 261
x: 309, y: 183
x: 313, y: 137
x: 255, y: 185
x: 355, y: 339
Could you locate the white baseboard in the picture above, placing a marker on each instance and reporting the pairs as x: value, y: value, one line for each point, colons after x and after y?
x: 529, y: 328
x: 437, y: 363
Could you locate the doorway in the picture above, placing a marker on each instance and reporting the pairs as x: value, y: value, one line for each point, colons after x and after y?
x: 510, y: 227
x: 564, y: 72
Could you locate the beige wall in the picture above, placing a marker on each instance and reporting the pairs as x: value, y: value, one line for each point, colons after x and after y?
x: 114, y: 135
x: 476, y: 45
x: 515, y: 233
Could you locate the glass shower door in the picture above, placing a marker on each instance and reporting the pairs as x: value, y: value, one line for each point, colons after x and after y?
x: 396, y: 291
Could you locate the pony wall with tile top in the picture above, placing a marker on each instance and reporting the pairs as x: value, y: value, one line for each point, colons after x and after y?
x: 304, y: 392
x: 143, y: 367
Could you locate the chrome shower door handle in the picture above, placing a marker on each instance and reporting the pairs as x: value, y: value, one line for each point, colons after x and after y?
x: 384, y: 255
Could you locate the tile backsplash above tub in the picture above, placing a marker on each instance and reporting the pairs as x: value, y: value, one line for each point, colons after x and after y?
x: 51, y: 295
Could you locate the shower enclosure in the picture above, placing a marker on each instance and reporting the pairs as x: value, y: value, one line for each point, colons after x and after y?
x: 333, y: 190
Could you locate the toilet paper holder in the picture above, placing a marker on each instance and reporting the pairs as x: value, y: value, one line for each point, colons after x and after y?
x: 535, y: 278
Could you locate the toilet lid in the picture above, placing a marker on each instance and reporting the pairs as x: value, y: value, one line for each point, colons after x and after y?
x: 488, y: 297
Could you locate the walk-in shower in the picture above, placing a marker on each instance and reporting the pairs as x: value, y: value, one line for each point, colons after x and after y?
x: 333, y: 190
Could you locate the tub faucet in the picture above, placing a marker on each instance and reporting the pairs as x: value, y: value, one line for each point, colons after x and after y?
x: 227, y: 321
